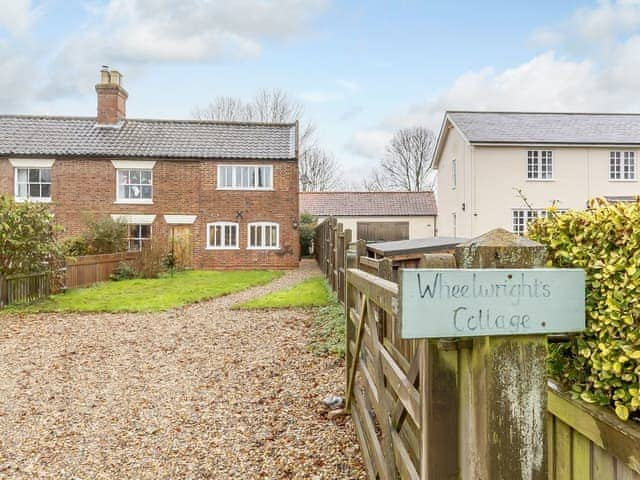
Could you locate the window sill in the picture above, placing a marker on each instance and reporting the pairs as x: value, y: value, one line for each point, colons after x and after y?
x: 222, y: 248
x: 263, y: 248
x: 623, y: 180
x: 541, y: 180
x: 133, y: 202
x: 246, y: 189
x: 32, y: 199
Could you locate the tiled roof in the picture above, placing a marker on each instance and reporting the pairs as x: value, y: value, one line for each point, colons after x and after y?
x: 550, y: 128
x: 368, y: 204
x: 180, y: 139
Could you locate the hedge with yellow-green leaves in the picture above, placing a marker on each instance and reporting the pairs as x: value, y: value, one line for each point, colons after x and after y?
x: 602, y: 364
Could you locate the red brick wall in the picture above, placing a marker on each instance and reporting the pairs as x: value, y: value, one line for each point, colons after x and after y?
x: 112, y: 102
x: 87, y: 187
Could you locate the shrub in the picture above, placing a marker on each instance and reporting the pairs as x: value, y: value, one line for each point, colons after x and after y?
x: 75, y: 247
x: 152, y: 259
x: 103, y: 235
x: 307, y: 233
x: 123, y: 271
x: 27, y: 238
x: 602, y: 364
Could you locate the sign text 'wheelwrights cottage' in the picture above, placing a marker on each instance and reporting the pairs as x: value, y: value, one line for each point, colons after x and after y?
x: 436, y: 303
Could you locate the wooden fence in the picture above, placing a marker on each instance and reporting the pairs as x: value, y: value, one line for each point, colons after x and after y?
x: 87, y: 270
x: 587, y: 442
x: 330, y: 244
x: 411, y: 401
x: 16, y: 289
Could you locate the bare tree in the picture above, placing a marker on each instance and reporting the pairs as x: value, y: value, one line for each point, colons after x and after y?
x: 268, y: 106
x: 407, y: 163
x: 225, y: 109
x: 318, y: 171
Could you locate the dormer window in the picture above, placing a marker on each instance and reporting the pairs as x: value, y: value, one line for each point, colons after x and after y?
x: 539, y: 165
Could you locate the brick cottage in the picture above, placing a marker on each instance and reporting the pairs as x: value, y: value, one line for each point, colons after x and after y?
x: 230, y: 189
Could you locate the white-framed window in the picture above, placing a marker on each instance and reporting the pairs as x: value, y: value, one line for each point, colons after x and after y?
x: 622, y: 166
x: 522, y: 217
x: 33, y: 184
x: 539, y: 165
x: 135, y: 185
x: 245, y: 177
x: 454, y: 173
x: 263, y: 235
x: 222, y: 235
x: 137, y: 236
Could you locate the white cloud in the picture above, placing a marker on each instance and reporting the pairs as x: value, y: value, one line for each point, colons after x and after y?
x: 370, y: 143
x: 16, y: 16
x: 598, y: 81
x: 17, y: 82
x: 130, y: 33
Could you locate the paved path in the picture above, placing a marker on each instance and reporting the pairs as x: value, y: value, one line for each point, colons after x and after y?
x: 198, y: 392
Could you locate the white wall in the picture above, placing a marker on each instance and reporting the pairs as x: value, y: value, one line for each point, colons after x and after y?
x: 450, y: 199
x: 580, y: 173
x: 419, y: 227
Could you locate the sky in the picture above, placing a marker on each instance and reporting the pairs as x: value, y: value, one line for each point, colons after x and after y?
x: 362, y: 69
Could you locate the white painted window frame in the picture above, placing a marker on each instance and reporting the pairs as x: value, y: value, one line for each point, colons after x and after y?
x: 224, y: 225
x: 454, y: 174
x: 141, y: 239
x: 31, y: 163
x: 617, y: 163
x: 262, y: 226
x: 234, y: 168
x: 537, y: 160
x: 528, y: 215
x: 133, y: 165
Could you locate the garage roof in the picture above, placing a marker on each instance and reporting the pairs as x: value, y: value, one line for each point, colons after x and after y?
x: 368, y: 204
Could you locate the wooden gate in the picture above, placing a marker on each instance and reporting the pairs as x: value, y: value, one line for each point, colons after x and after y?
x: 394, y: 410
x: 383, y: 231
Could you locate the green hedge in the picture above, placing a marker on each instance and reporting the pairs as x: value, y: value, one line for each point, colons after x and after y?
x: 601, y: 365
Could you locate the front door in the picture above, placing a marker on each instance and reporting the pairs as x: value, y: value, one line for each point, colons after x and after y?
x: 180, y: 245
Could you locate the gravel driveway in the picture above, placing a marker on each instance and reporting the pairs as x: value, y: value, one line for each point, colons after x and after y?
x: 198, y: 392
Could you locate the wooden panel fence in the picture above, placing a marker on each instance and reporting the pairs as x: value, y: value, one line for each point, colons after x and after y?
x: 87, y: 270
x: 410, y: 401
x: 17, y: 289
x: 330, y: 244
x: 587, y: 442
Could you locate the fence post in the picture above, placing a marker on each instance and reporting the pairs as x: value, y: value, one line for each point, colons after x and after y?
x: 350, y: 299
x: 438, y: 394
x: 502, y: 380
x: 361, y: 250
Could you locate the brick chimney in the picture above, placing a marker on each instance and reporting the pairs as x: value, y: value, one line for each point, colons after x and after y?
x: 112, y: 98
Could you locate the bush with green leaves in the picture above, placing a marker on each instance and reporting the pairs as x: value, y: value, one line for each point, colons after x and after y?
x: 123, y: 271
x: 307, y: 233
x: 602, y: 364
x: 101, y: 235
x: 27, y: 238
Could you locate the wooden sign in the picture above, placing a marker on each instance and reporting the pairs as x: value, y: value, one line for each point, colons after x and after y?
x: 440, y: 303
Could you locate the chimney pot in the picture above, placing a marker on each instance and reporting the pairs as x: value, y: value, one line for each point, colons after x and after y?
x: 116, y: 77
x: 112, y: 98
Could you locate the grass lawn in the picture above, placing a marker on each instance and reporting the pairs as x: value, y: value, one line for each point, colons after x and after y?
x: 151, y: 295
x: 312, y: 292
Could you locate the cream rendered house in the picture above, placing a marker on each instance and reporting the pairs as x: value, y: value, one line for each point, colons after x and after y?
x: 488, y: 163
